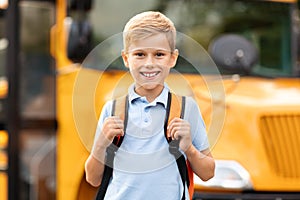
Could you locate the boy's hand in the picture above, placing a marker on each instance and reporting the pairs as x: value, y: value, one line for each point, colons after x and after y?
x: 112, y: 126
x: 179, y: 129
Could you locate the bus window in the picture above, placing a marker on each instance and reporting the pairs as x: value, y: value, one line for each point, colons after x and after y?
x: 37, y: 101
x: 254, y: 20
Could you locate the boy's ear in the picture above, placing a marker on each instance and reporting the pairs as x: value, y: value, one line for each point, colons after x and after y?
x: 125, y: 58
x: 174, y: 57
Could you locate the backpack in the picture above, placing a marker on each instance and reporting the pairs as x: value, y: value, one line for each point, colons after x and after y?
x: 175, y: 108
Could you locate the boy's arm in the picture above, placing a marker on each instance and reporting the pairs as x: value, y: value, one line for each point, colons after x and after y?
x: 94, y: 168
x: 94, y: 165
x: 201, y: 162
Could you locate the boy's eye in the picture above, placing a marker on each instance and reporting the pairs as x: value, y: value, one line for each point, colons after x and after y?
x: 139, y: 54
x: 159, y: 54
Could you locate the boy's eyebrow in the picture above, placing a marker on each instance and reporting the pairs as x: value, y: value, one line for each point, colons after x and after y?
x: 154, y: 48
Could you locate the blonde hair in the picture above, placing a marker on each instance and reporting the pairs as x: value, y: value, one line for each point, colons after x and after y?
x: 147, y: 24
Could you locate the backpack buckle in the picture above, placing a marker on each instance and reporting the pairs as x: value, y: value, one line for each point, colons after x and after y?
x: 110, y: 154
x: 111, y: 149
x: 174, y: 148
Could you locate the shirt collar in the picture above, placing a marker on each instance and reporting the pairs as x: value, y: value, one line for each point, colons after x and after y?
x: 162, y: 98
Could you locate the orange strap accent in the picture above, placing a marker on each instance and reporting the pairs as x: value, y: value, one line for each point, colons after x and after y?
x: 120, y: 106
x: 191, y: 179
x: 120, y: 109
x: 175, y: 107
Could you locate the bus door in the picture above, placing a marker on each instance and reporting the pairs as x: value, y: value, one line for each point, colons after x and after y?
x: 28, y: 116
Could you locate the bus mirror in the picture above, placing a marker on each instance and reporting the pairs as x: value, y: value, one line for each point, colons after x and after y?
x: 79, y: 40
x: 233, y: 53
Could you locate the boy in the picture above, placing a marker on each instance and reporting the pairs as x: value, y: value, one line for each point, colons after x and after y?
x: 143, y: 167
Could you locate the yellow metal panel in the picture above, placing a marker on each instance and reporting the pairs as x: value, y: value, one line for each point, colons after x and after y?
x: 282, y: 141
x: 3, y: 88
x: 3, y: 188
x: 3, y: 139
x: 269, y: 148
x: 71, y: 153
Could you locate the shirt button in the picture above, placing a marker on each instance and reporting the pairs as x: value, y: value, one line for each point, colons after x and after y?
x: 146, y: 120
x: 147, y: 109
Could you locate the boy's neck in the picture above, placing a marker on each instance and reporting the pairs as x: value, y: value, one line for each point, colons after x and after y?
x: 150, y: 94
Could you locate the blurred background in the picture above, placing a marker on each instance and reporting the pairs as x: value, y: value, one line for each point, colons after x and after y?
x: 248, y: 90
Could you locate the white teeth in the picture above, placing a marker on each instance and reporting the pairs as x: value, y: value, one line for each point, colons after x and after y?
x: 149, y: 75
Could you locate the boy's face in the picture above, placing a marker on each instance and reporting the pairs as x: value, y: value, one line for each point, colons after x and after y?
x: 149, y: 61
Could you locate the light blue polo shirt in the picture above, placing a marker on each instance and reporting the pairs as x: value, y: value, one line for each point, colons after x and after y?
x: 143, y: 167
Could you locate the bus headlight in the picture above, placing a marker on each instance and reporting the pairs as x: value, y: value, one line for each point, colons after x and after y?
x: 229, y: 174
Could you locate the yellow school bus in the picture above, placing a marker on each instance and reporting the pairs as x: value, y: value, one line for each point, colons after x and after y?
x: 238, y: 59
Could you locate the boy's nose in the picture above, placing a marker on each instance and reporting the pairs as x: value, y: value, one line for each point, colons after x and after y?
x: 149, y: 61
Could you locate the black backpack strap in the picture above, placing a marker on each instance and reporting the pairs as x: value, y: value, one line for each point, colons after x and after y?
x: 111, y: 152
x: 174, y: 145
x: 107, y: 173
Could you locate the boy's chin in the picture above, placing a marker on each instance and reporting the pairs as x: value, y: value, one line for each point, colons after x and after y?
x: 151, y: 86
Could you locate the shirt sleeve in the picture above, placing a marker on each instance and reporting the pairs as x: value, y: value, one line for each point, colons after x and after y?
x: 198, y: 130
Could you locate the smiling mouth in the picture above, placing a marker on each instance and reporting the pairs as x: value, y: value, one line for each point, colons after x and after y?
x: 149, y: 74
